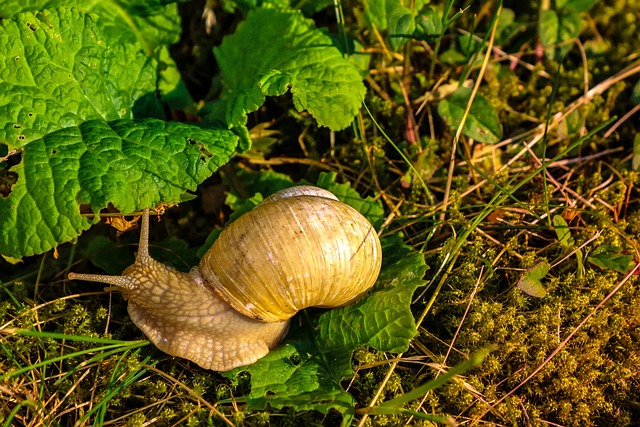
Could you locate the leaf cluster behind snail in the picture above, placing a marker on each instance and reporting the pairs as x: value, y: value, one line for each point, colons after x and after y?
x: 298, y: 248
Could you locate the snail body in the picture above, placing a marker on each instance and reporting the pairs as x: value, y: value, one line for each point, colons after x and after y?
x: 298, y: 248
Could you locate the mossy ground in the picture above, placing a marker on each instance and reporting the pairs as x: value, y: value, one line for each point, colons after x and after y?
x: 592, y: 379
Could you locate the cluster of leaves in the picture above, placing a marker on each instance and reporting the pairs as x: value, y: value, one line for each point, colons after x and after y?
x: 82, y: 108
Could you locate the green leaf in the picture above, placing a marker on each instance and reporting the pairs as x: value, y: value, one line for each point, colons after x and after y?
x: 575, y: 6
x: 107, y: 255
x: 562, y: 231
x: 170, y: 84
x: 383, y: 320
x: 611, y: 257
x: 62, y: 72
x: 376, y: 12
x: 482, y: 123
x: 354, y: 51
x: 428, y: 24
x: 507, y: 27
x: 572, y: 125
x: 131, y: 164
x: 67, y: 101
x: 470, y: 46
x: 150, y: 23
x: 452, y: 57
x: 295, y: 375
x: 273, y: 51
x: 401, y: 26
x: 548, y: 28
x: 556, y: 31
x: 531, y: 281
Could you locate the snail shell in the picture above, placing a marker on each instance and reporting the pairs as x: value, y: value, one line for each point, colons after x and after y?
x: 300, y: 247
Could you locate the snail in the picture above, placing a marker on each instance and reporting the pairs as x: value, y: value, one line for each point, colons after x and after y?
x: 298, y: 248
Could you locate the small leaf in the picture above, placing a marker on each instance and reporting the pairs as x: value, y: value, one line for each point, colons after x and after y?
x: 428, y: 24
x: 452, y: 57
x: 611, y: 257
x: 401, y: 26
x: 562, y: 231
x: 548, y: 26
x: 556, y: 31
x: 507, y: 27
x: 572, y: 124
x: 531, y: 281
x: 482, y: 123
x: 470, y: 46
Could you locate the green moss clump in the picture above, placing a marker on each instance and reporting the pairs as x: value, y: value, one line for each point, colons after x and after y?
x: 592, y: 381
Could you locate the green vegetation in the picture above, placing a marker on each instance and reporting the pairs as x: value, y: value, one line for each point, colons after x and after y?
x: 495, y: 147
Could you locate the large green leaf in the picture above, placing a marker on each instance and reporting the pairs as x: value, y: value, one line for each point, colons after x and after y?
x: 59, y: 70
x: 276, y: 50
x: 131, y: 164
x: 70, y: 89
x: 383, y: 320
x: 482, y: 123
x: 151, y: 23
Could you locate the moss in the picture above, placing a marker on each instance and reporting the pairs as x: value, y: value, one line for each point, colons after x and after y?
x: 577, y: 388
